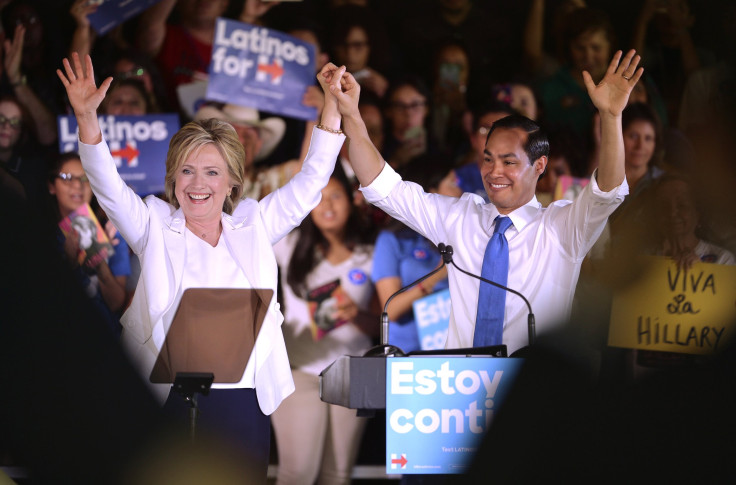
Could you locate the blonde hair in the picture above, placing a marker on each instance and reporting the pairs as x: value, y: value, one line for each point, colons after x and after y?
x: 193, y: 137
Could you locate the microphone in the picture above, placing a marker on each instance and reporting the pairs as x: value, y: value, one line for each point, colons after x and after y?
x: 384, y: 349
x: 447, y: 252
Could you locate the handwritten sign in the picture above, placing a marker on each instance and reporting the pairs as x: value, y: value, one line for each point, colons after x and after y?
x: 674, y: 310
x: 138, y: 145
x: 432, y: 314
x: 261, y: 68
x: 438, y: 408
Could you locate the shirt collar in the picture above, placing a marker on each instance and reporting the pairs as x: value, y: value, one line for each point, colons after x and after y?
x: 520, y: 217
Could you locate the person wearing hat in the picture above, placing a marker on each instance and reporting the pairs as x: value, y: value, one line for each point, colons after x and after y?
x: 259, y: 138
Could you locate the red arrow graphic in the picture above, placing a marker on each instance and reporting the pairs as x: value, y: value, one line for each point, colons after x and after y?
x: 401, y: 461
x: 274, y: 70
x: 128, y: 153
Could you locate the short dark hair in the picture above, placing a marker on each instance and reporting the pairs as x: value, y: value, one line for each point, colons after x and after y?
x: 537, y: 144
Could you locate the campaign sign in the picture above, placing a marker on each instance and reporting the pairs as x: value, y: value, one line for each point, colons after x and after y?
x: 111, y: 13
x: 261, y: 68
x: 438, y: 409
x: 671, y: 309
x: 138, y: 145
x: 432, y: 314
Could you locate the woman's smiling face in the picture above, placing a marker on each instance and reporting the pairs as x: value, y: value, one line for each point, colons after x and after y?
x: 202, y: 183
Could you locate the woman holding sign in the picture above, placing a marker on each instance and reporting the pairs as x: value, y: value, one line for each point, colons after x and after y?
x: 205, y: 236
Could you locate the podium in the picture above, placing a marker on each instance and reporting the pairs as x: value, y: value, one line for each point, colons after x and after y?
x: 438, y: 404
x: 210, y: 340
x: 360, y: 382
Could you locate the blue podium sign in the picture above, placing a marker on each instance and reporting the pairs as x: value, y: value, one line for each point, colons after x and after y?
x: 138, y: 145
x: 438, y: 409
x: 261, y: 68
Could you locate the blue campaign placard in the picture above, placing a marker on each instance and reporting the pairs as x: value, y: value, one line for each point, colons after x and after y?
x: 438, y: 409
x: 432, y: 314
x: 261, y: 68
x: 111, y: 13
x: 138, y: 145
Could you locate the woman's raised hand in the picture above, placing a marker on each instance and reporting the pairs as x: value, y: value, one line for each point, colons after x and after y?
x: 84, y: 96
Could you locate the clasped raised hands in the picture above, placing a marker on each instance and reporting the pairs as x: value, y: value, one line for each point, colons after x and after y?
x: 341, y: 88
x: 611, y: 95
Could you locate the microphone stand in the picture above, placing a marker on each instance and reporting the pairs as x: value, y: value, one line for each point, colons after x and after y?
x: 385, y: 349
x: 447, y: 252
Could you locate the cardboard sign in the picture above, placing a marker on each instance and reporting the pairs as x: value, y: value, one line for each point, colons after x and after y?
x: 261, y: 68
x: 138, y: 145
x: 674, y: 310
x: 111, y: 13
x: 432, y: 315
x: 438, y: 408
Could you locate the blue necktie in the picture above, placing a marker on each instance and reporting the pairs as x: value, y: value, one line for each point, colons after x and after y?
x: 492, y: 300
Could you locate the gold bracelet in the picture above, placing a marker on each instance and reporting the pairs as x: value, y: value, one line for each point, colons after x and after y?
x: 329, y: 130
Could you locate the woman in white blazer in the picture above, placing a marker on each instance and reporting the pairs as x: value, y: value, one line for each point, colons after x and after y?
x: 205, y: 236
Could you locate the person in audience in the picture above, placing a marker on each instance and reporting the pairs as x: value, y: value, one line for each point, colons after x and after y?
x: 128, y: 97
x: 104, y: 283
x: 331, y: 310
x: 21, y: 159
x: 352, y: 47
x: 407, y: 111
x: 589, y: 39
x: 450, y: 115
x: 183, y: 50
x: 402, y: 256
x: 662, y: 35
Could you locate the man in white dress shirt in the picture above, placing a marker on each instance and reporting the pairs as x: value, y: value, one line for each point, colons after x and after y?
x: 546, y: 246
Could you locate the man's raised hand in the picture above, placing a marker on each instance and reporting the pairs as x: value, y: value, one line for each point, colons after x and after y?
x: 611, y: 95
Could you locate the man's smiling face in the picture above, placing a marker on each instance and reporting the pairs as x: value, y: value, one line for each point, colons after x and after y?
x: 510, y: 180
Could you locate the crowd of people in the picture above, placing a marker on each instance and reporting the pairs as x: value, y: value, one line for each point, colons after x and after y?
x: 435, y: 77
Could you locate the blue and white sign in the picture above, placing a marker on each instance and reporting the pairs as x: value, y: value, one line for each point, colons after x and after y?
x: 432, y: 314
x: 438, y: 409
x: 111, y: 13
x: 138, y: 145
x: 261, y: 68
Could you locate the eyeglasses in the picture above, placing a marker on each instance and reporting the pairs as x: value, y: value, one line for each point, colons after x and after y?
x: 14, y: 123
x: 415, y: 106
x: 69, y: 179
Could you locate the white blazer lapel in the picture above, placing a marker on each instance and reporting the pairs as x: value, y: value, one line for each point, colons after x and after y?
x: 175, y: 243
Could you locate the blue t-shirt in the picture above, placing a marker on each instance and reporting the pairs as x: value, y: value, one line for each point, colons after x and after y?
x: 409, y: 256
x: 119, y: 262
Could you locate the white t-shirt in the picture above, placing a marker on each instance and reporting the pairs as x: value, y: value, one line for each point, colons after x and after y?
x: 310, y: 353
